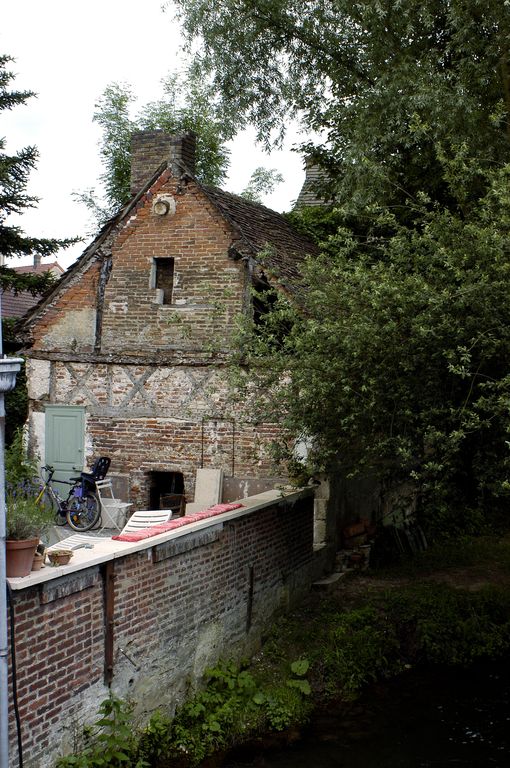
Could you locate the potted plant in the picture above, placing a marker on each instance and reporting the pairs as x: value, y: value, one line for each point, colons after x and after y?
x: 26, y: 521
x: 59, y: 556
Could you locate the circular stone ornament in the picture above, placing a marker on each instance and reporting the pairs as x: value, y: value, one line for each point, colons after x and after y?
x: 163, y: 205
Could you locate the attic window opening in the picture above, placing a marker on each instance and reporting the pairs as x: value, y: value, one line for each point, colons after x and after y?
x: 263, y: 299
x: 164, y: 280
x: 273, y: 327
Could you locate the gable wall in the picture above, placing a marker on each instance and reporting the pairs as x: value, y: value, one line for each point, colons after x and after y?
x: 156, y: 394
x: 209, y: 287
x: 69, y: 323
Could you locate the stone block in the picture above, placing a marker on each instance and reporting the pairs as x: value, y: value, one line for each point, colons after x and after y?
x: 320, y: 509
x: 319, y: 531
x: 208, y: 486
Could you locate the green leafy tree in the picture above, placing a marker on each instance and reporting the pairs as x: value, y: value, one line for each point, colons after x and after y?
x: 14, y: 199
x: 187, y: 104
x: 385, y: 85
x: 262, y: 182
x: 397, y: 358
x: 396, y: 361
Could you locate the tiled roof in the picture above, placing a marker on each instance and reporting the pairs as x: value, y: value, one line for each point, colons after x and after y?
x: 15, y: 305
x: 266, y: 234
x: 310, y: 191
x: 41, y: 268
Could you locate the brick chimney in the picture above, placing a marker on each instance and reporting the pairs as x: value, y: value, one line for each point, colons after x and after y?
x: 151, y: 148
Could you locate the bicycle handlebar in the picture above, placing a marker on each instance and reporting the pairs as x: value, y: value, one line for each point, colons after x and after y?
x: 49, y: 476
x: 50, y: 471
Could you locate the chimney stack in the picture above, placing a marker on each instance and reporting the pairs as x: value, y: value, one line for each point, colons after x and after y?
x: 151, y: 148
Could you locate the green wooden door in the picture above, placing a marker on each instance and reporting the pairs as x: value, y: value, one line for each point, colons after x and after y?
x: 65, y: 439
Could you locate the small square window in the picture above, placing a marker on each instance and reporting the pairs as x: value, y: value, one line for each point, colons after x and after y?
x: 163, y: 279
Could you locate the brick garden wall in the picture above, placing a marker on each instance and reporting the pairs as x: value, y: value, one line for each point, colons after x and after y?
x: 178, y: 607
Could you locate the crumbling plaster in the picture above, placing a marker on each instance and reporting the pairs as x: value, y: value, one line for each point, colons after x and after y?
x: 73, y: 329
x: 38, y: 379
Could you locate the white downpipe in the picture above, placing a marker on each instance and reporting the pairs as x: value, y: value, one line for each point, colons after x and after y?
x: 9, y: 367
x: 4, y: 648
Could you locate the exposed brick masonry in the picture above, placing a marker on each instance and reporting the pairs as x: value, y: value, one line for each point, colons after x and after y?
x: 179, y: 606
x: 151, y: 148
x: 151, y: 376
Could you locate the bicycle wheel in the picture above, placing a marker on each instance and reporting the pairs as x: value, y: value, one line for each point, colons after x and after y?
x: 83, y: 512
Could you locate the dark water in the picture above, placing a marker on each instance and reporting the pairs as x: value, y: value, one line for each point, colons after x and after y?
x: 455, y: 719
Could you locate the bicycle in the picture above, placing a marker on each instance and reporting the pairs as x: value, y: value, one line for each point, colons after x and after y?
x: 81, y: 508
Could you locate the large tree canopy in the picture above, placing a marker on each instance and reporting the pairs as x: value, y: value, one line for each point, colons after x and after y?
x: 187, y: 104
x: 398, y: 358
x: 385, y: 85
x: 399, y: 361
x: 14, y: 199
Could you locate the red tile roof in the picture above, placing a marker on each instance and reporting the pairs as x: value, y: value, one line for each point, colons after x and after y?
x: 16, y: 305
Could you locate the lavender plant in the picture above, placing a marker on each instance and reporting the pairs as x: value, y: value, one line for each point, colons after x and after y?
x: 25, y: 519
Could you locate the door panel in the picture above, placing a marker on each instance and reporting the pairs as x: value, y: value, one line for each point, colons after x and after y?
x: 65, y: 438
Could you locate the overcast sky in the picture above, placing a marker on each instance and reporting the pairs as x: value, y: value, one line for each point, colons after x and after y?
x: 67, y: 52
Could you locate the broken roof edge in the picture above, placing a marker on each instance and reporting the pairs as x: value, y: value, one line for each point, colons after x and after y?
x: 83, y: 262
x: 274, y: 280
x: 109, y: 230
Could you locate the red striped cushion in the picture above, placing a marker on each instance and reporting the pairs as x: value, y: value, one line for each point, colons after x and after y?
x: 155, y: 530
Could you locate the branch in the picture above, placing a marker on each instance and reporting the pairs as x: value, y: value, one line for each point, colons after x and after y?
x: 294, y: 31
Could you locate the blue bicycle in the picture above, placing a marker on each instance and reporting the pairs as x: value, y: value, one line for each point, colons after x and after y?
x: 81, y: 508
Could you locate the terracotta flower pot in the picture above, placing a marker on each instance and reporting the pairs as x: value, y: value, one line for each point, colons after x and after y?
x: 37, y: 562
x: 19, y: 556
x: 60, y: 557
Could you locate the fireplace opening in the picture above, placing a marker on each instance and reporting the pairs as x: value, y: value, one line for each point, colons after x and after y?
x: 166, y: 491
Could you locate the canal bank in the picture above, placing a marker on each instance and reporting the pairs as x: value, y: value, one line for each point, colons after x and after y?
x: 450, y: 607
x: 429, y: 718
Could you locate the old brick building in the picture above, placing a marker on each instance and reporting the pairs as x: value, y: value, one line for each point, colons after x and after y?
x: 126, y: 355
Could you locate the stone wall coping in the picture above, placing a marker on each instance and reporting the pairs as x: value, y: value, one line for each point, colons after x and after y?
x: 106, y: 549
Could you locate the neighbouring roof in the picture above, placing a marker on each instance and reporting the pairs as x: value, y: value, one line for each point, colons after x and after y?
x: 16, y: 305
x: 310, y: 194
x: 53, y: 267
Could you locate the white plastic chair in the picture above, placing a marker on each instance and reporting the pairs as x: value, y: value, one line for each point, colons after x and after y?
x: 146, y: 519
x: 113, y: 511
x: 77, y: 541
